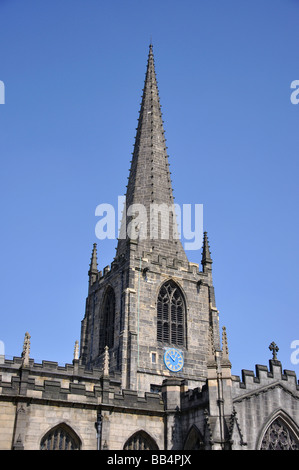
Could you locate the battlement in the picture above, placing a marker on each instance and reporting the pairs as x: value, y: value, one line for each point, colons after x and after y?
x: 49, y: 367
x: 150, y: 261
x: 71, y: 384
x: 264, y: 377
x: 152, y: 258
x: 196, y: 397
x: 169, y: 262
x: 149, y: 402
x: 49, y: 376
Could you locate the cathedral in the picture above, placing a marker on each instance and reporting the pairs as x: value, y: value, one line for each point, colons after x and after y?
x: 152, y: 368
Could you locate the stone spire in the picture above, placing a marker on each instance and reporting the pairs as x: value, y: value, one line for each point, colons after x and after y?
x: 149, y: 182
x: 206, y: 260
x: 93, y: 267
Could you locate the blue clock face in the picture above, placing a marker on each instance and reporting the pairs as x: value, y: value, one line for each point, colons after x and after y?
x: 173, y: 359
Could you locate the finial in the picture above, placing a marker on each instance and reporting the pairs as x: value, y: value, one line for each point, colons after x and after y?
x: 274, y: 349
x: 26, y: 350
x: 76, y: 350
x: 151, y: 44
x: 151, y: 52
x: 106, y: 362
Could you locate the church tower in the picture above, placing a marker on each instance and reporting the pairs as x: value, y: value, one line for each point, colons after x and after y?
x: 152, y: 308
x: 151, y: 373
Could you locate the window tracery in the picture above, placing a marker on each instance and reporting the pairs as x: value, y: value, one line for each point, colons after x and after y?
x: 279, y: 437
x: 171, y: 315
x: 140, y: 441
x: 60, y: 438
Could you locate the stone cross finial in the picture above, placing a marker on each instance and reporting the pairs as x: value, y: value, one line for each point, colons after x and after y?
x: 26, y: 350
x: 274, y: 349
x: 76, y: 351
x: 106, y: 362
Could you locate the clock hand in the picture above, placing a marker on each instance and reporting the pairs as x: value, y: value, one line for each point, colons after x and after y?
x: 171, y: 357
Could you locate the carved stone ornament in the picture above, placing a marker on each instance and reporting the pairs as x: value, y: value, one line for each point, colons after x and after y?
x: 279, y: 437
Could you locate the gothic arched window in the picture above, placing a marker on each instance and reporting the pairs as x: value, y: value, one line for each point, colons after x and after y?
x: 62, y: 437
x: 279, y: 437
x: 140, y: 441
x: 194, y: 440
x: 107, y: 324
x: 171, y: 315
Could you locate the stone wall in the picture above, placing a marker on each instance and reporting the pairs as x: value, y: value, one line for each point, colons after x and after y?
x: 259, y: 398
x: 7, y: 419
x: 35, y: 399
x: 136, y: 285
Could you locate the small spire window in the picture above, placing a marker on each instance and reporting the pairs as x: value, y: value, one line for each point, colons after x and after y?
x: 107, y: 321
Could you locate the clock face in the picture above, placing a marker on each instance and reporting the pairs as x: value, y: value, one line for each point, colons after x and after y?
x: 173, y: 359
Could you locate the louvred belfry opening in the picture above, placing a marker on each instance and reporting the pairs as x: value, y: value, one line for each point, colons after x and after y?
x: 171, y: 315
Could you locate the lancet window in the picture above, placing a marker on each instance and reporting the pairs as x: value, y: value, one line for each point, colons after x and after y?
x: 107, y: 323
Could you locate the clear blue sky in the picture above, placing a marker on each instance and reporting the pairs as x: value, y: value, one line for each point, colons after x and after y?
x: 73, y: 72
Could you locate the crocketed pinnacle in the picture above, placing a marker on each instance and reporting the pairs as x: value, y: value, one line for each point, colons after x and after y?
x: 206, y: 260
x: 93, y: 267
x: 149, y: 180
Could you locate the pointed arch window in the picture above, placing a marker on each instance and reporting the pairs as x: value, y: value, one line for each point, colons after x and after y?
x: 61, y: 437
x: 279, y: 436
x: 108, y: 315
x: 140, y: 441
x: 171, y: 315
x: 194, y: 440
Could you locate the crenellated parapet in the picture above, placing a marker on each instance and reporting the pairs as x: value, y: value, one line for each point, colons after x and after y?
x: 50, y: 382
x: 265, y: 377
x: 194, y: 398
x: 131, y: 400
x: 150, y: 260
x: 267, y: 394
